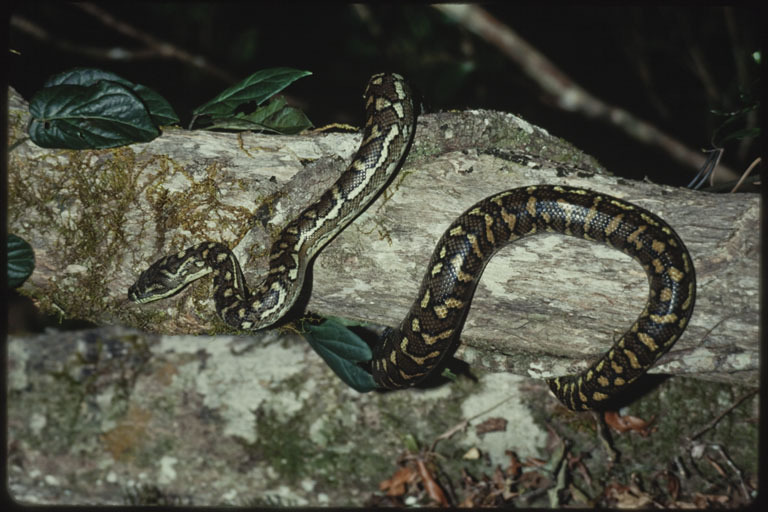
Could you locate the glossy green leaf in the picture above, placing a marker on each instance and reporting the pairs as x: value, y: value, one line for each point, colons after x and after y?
x: 257, y: 88
x: 103, y: 115
x: 275, y: 117
x: 341, y: 348
x: 288, y: 120
x: 21, y: 261
x: 261, y: 114
x: 84, y: 76
x: 253, y: 121
x: 159, y: 109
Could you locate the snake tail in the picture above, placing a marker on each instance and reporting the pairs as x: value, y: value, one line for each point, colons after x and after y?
x: 431, y: 328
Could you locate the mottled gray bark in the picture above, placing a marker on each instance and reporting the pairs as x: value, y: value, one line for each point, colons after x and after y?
x: 544, y: 306
x: 244, y: 420
x: 104, y: 416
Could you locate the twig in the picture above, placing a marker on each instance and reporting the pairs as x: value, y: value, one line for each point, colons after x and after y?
x: 720, y: 416
x: 746, y: 173
x: 163, y: 48
x: 33, y: 29
x: 709, y: 331
x: 570, y: 95
x: 462, y: 425
x: 742, y: 486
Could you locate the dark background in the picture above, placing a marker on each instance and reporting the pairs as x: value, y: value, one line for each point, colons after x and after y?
x: 670, y: 66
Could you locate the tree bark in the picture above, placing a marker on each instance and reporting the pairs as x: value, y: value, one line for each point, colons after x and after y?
x: 545, y: 306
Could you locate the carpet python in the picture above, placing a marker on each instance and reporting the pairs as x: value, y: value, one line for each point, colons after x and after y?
x: 431, y: 328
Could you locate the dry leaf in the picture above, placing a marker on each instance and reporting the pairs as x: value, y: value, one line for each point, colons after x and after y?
x: 673, y: 485
x: 625, y: 423
x: 707, y: 500
x: 628, y: 497
x: 431, y: 486
x: 515, y: 466
x: 396, y: 485
x: 491, y: 425
x: 717, y: 466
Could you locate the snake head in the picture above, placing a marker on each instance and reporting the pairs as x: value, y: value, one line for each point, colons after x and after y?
x: 166, y: 277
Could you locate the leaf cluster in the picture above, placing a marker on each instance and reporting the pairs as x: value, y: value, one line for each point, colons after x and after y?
x: 88, y: 108
x: 225, y: 110
x: 91, y: 109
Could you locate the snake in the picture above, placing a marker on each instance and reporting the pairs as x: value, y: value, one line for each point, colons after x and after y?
x: 406, y: 355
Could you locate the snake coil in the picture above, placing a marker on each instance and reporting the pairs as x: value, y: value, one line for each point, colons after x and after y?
x: 431, y: 328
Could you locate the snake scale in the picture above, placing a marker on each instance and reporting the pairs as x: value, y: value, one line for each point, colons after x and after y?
x: 431, y: 329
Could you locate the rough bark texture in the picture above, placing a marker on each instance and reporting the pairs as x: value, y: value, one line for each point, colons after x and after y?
x: 545, y: 306
x: 99, y: 416
x: 114, y: 415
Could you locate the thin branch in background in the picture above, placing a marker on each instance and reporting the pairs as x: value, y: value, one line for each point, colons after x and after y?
x: 33, y: 29
x: 637, y: 56
x: 153, y: 48
x: 570, y: 95
x: 696, y: 62
x: 701, y: 70
x: 363, y: 12
x: 746, y: 173
x: 709, y: 426
x: 163, y: 48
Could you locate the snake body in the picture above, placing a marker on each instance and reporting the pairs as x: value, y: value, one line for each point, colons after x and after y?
x: 389, y: 127
x: 431, y: 329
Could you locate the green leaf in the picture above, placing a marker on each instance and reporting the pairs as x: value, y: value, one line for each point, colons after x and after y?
x: 161, y: 111
x: 21, y: 261
x: 257, y: 88
x: 744, y: 133
x: 84, y: 76
x: 253, y: 121
x: 262, y: 113
x: 729, y: 125
x: 448, y: 374
x: 341, y: 340
x: 341, y: 348
x: 411, y: 443
x: 275, y: 117
x: 103, y: 115
x: 289, y: 120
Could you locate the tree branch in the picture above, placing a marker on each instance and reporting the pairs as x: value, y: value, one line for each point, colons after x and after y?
x: 569, y: 94
x: 153, y: 47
